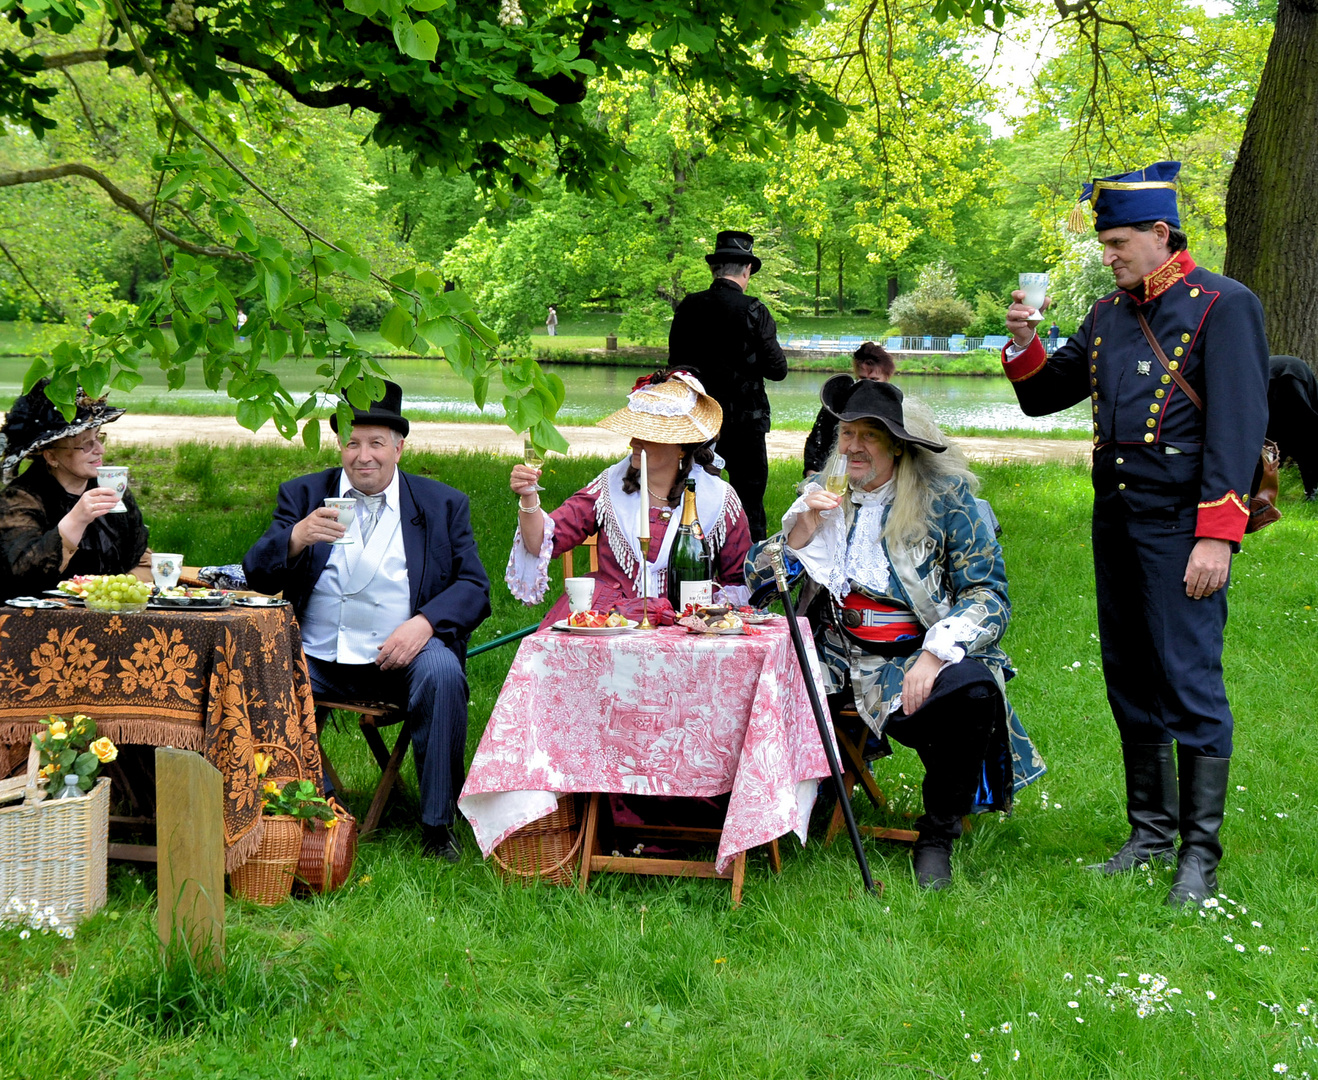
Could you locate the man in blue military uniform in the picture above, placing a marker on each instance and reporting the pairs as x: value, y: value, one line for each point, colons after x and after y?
x: 1176, y: 440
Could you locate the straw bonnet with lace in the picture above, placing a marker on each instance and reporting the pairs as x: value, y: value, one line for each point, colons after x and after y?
x: 676, y: 410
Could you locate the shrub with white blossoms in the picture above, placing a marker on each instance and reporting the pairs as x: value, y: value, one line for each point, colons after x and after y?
x: 32, y: 917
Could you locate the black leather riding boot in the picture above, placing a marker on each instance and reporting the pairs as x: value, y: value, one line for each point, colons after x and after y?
x: 1203, y: 804
x: 1151, y: 808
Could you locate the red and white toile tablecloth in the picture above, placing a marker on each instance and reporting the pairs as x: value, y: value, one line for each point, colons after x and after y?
x: 659, y: 712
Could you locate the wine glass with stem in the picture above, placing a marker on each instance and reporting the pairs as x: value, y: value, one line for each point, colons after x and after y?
x: 836, y: 479
x: 533, y: 456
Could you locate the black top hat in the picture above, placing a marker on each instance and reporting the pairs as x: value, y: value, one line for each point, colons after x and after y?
x: 387, y: 411
x: 734, y: 247
x: 865, y: 399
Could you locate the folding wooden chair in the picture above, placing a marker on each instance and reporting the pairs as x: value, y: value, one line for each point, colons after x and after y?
x: 851, y: 733
x: 371, y: 716
x: 591, y: 544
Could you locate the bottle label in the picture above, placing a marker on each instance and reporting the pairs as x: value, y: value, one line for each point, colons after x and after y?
x: 700, y: 593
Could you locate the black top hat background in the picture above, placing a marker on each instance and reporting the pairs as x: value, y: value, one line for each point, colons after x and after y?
x: 864, y: 399
x: 387, y: 412
x: 734, y: 247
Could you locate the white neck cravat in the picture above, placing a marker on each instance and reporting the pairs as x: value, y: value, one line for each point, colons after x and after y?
x: 369, y: 508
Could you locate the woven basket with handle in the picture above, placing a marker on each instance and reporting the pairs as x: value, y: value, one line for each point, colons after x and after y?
x: 546, y: 850
x: 53, y: 851
x: 267, y: 877
x: 325, y: 863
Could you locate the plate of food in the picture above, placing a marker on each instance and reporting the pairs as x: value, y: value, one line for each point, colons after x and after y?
x: 754, y: 616
x: 76, y: 587
x: 184, y: 597
x: 67, y: 597
x: 33, y: 602
x: 727, y: 623
x: 259, y: 601
x: 595, y: 623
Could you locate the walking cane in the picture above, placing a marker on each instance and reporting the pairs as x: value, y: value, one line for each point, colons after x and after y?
x: 775, y: 553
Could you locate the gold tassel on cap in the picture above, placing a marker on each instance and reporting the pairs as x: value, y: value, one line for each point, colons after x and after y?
x: 1078, y: 221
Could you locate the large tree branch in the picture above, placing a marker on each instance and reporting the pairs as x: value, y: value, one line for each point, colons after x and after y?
x: 53, y: 309
x: 122, y: 200
x: 67, y: 60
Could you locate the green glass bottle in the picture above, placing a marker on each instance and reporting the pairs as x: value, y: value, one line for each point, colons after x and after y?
x: 688, y: 568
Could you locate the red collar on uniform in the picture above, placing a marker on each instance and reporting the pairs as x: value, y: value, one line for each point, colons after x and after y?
x: 1167, y: 275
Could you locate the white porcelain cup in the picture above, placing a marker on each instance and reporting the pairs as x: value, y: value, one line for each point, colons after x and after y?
x: 1035, y: 287
x: 347, y: 510
x: 580, y: 593
x: 116, y: 477
x: 165, y: 568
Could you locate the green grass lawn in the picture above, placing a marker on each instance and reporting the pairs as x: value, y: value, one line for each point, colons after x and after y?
x: 421, y: 969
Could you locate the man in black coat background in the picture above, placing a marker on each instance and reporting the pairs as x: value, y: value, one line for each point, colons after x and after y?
x: 730, y: 341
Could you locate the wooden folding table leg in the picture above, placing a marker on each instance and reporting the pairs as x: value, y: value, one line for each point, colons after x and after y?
x: 372, y: 736
x: 588, y: 841
x: 332, y: 773
x: 775, y: 857
x: 738, y: 877
x: 837, y: 822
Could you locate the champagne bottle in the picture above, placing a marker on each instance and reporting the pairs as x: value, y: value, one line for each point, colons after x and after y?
x: 688, y: 568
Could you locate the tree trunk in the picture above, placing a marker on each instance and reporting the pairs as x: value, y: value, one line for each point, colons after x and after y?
x: 1272, y: 199
x: 819, y: 272
x: 839, y: 282
x: 892, y: 290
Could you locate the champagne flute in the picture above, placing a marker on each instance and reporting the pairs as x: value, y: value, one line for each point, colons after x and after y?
x: 533, y: 456
x: 836, y: 481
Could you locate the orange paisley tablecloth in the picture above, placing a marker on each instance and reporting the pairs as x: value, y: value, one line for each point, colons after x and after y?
x: 219, y: 682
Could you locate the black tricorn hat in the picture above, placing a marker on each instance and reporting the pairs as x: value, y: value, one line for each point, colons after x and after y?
x: 734, y: 247
x: 864, y: 399
x: 387, y: 411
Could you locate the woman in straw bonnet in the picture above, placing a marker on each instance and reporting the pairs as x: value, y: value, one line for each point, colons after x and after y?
x: 671, y: 418
x: 54, y: 520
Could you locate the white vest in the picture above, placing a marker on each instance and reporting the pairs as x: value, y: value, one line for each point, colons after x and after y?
x: 363, y: 595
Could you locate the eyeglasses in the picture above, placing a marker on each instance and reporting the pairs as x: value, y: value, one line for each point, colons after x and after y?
x: 92, y: 446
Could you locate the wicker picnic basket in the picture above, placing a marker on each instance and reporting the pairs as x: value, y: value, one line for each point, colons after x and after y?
x: 267, y: 877
x: 546, y: 850
x: 53, y: 852
x: 327, y: 855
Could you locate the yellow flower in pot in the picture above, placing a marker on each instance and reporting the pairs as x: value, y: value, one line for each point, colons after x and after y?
x: 72, y: 748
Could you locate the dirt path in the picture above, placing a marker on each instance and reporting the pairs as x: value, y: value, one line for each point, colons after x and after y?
x: 438, y: 436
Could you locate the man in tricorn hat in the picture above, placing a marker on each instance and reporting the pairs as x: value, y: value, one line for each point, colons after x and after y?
x: 1175, y: 364
x: 730, y: 341
x: 386, y: 605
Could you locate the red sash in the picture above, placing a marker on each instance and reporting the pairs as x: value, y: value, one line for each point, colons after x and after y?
x: 878, y: 622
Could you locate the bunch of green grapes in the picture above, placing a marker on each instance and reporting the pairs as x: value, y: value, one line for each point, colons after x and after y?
x: 113, y: 592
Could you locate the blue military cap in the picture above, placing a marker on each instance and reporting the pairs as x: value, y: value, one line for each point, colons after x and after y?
x: 1144, y: 195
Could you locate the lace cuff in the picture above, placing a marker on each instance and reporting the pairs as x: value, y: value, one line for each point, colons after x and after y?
x: 528, y: 576
x: 824, y: 558
x: 948, y: 639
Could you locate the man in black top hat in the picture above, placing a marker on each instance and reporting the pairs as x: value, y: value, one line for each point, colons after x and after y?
x: 387, y: 604
x: 730, y: 341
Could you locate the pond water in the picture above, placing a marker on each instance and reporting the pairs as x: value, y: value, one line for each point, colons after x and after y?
x: 592, y: 391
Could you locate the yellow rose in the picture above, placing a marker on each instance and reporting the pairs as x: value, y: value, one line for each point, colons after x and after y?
x: 104, y: 750
x: 59, y: 730
x: 48, y: 770
x: 331, y: 823
x: 270, y: 787
x: 262, y: 763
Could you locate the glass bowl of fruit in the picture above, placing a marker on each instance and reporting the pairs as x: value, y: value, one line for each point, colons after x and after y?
x: 122, y: 594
